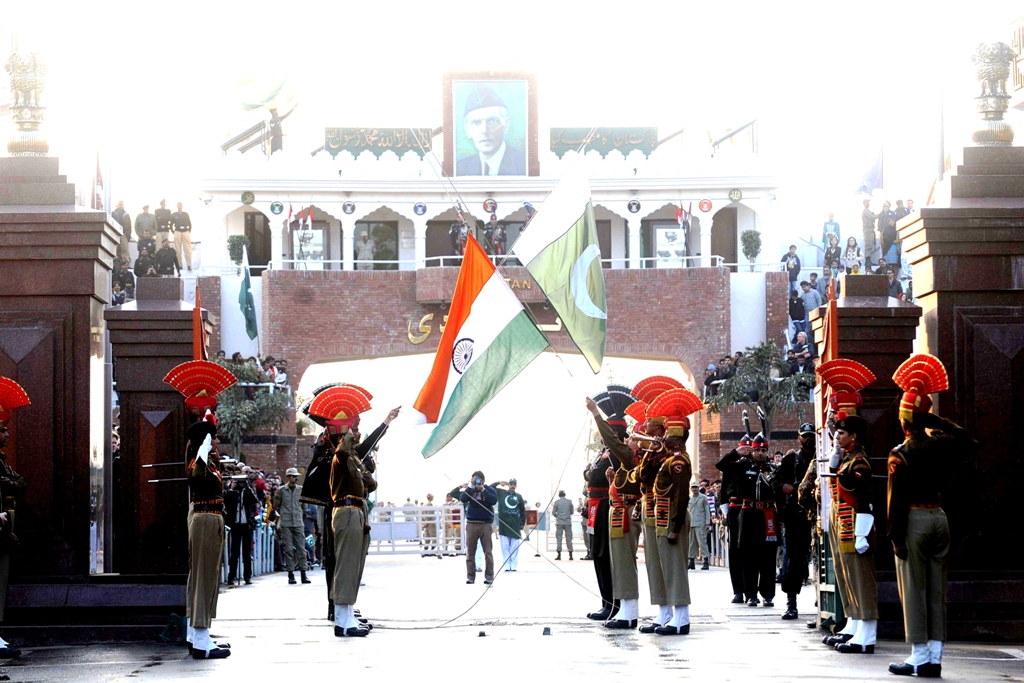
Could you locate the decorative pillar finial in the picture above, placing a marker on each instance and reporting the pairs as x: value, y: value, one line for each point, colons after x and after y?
x: 992, y: 67
x: 28, y: 76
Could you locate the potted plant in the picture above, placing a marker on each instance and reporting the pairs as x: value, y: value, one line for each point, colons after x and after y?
x: 751, y: 241
x: 235, y: 244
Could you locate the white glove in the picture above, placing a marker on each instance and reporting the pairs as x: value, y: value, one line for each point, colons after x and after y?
x: 837, y: 455
x: 861, y: 528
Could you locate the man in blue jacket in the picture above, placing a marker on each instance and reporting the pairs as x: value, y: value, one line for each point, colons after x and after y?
x: 479, y: 500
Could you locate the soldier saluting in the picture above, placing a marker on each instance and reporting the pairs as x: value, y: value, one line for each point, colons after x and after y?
x: 917, y: 525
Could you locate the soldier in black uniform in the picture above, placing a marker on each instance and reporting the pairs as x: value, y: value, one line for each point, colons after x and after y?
x: 795, y: 524
x: 730, y: 494
x: 597, y: 526
x: 759, y: 524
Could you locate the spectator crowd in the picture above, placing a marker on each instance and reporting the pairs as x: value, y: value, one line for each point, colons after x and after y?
x: 164, y: 240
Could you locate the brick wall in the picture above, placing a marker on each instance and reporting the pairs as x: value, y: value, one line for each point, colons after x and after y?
x: 209, y: 293
x: 720, y: 433
x: 776, y: 305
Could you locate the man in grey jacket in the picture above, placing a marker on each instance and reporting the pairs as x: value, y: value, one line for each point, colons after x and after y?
x: 290, y: 528
x: 562, y: 512
x: 700, y: 523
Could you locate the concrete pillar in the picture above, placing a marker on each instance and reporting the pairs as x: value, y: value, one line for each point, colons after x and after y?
x: 420, y: 237
x: 633, y: 233
x: 278, y: 233
x: 348, y: 248
x: 705, y: 240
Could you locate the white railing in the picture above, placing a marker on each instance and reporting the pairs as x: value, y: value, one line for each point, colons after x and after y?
x: 453, y: 260
x: 756, y: 267
x: 420, y: 530
x: 262, y: 553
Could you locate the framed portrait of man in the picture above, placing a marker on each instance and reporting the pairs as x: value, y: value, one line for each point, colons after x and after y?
x: 490, y: 124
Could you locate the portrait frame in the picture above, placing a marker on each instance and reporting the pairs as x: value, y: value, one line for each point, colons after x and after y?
x: 521, y: 91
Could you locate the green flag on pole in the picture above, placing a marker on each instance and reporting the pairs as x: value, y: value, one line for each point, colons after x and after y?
x: 560, y: 250
x: 245, y: 300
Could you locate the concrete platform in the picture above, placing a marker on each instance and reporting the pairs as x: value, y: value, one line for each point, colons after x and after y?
x: 429, y: 622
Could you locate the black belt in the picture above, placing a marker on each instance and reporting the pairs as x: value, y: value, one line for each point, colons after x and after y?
x: 757, y: 504
x: 186, y: 230
x: 213, y: 506
x: 351, y: 502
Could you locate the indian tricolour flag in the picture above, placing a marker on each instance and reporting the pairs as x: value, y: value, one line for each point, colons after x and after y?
x: 560, y: 249
x: 488, y: 339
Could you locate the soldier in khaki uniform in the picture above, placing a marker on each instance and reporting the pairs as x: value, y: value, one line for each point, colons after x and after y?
x: 290, y: 529
x: 12, y: 485
x: 700, y: 523
x: 917, y: 525
x: 672, y: 524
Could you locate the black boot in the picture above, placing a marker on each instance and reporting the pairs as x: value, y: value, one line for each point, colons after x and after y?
x: 570, y: 556
x: 304, y: 579
x: 291, y: 577
x: 690, y: 566
x: 790, y: 612
x: 558, y: 556
x: 706, y: 565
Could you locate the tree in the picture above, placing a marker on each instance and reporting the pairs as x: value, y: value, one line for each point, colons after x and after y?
x: 241, y: 410
x: 761, y: 380
x: 751, y: 241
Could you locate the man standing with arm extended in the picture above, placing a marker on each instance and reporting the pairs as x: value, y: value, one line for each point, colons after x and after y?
x: 290, y: 527
x: 562, y: 512
x: 511, y: 520
x: 479, y: 500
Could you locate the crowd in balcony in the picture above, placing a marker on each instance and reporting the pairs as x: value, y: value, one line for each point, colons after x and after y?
x: 164, y: 241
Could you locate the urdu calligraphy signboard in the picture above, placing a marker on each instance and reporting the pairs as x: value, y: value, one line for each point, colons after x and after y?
x: 377, y: 140
x: 604, y: 140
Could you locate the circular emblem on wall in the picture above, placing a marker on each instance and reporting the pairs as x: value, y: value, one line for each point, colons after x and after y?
x: 419, y: 208
x: 490, y: 206
x: 735, y: 195
x: 348, y: 207
x: 633, y: 206
x: 462, y: 353
x: 277, y: 208
x: 705, y: 205
x: 248, y: 198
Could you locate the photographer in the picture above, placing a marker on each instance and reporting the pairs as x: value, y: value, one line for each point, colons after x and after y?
x: 240, y: 514
x: 479, y: 500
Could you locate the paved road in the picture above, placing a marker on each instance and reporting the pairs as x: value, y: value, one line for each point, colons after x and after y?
x: 278, y: 632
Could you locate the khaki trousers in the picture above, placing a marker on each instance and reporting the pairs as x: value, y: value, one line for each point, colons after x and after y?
x: 183, y: 245
x: 349, y: 553
x: 856, y: 578
x: 698, y: 537
x: 674, y: 559
x: 623, y: 556
x: 293, y: 547
x: 921, y: 578
x: 479, y: 532
x: 655, y: 575
x: 206, y: 552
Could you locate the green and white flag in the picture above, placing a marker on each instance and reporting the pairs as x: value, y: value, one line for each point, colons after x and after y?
x: 245, y: 300
x: 560, y: 249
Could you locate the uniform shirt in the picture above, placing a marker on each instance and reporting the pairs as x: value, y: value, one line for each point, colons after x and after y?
x: 204, y: 482
x: 700, y: 515
x: 145, y: 222
x: 349, y: 476
x: 671, y: 482
x: 163, y: 220
x: 288, y: 504
x: 166, y: 261
x: 791, y: 471
x: 181, y: 222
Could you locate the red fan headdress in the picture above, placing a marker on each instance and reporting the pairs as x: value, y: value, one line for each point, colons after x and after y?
x: 648, y: 389
x: 200, y: 381
x: 675, y: 406
x: 12, y: 397
x: 340, y: 406
x: 637, y: 411
x: 918, y: 376
x: 845, y: 378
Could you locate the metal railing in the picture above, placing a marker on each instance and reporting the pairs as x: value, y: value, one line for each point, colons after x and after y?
x: 420, y: 530
x: 263, y: 543
x: 452, y: 260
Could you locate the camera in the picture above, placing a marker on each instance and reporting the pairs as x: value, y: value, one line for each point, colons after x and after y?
x: 478, y: 481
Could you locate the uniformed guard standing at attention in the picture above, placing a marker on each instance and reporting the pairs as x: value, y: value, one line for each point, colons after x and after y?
x: 200, y: 382
x: 623, y: 531
x: 759, y: 531
x: 731, y: 495
x: 917, y: 525
x: 205, y: 535
x: 12, y: 485
x: 671, y: 504
x: 844, y: 380
x: 854, y: 521
x: 797, y: 528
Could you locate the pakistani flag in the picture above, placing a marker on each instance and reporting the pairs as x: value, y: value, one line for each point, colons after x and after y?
x: 245, y: 300
x: 560, y: 249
